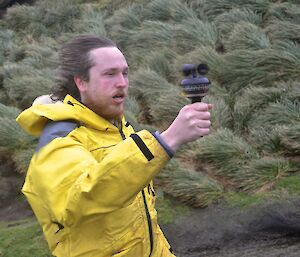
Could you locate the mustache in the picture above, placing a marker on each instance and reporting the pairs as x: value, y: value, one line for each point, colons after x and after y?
x: 123, y: 93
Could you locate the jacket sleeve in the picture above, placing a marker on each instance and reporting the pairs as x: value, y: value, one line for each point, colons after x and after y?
x: 73, y: 184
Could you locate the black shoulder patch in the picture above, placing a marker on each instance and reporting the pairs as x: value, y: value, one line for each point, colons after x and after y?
x: 55, y: 129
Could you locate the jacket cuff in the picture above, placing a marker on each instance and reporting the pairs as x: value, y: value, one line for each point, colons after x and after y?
x: 169, y: 151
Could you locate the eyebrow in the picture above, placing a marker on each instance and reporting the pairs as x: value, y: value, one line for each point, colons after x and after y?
x: 116, y: 69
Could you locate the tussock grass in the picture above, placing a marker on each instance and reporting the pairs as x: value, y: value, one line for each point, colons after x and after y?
x: 285, y: 11
x: 166, y: 10
x: 214, y: 8
x: 40, y: 56
x: 161, y: 61
x: 254, y: 99
x: 123, y: 25
x: 247, y: 36
x: 22, y: 90
x: 189, y: 186
x: 226, y: 152
x: 261, y: 67
x: 12, y: 137
x: 241, y: 64
x: 7, y: 38
x: 262, y: 174
x: 267, y: 140
x: 225, y: 22
x: 32, y: 75
x: 9, y: 112
x: 280, y: 113
x: 154, y: 34
x: 14, y: 140
x: 193, y: 33
x: 290, y: 139
x: 19, y: 17
x: 149, y: 84
x: 283, y: 30
x: 21, y: 158
x: 46, y: 18
x: 91, y: 22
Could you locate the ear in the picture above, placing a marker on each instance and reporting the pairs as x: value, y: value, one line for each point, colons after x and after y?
x: 81, y: 84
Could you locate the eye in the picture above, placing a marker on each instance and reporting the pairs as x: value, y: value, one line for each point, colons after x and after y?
x: 109, y: 73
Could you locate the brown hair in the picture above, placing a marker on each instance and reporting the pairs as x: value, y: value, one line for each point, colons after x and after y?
x: 75, y: 60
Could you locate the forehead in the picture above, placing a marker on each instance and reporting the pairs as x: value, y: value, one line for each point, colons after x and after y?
x: 108, y: 57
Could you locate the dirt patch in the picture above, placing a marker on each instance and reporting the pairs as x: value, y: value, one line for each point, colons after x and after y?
x: 271, y: 230
x: 15, y: 209
x: 13, y: 205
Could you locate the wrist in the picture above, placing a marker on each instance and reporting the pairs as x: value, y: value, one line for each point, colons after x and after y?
x: 170, y: 140
x: 162, y: 142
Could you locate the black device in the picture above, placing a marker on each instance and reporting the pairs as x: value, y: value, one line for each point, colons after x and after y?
x: 196, y: 84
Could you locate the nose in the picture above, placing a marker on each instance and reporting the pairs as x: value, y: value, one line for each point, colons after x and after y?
x: 122, y: 81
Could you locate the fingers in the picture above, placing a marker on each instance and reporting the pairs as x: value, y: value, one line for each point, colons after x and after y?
x: 201, y: 106
x: 203, y: 124
x: 201, y: 113
x: 192, y: 122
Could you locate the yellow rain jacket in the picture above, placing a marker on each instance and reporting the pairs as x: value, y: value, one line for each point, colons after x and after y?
x: 89, y: 183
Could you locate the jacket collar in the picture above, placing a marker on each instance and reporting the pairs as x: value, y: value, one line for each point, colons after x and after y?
x: 35, y: 118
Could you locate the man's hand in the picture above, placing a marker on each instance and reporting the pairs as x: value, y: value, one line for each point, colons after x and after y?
x: 192, y: 122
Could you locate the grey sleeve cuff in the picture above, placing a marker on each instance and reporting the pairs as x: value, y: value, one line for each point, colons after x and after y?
x: 169, y: 151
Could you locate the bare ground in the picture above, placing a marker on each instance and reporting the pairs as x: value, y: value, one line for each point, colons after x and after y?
x: 270, y: 230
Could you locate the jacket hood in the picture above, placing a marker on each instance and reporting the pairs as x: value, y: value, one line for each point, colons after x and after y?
x: 43, y: 109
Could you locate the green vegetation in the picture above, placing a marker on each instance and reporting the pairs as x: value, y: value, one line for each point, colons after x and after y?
x: 22, y: 238
x: 252, y: 49
x: 169, y: 209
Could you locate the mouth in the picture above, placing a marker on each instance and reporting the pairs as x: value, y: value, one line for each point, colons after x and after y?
x: 119, y: 97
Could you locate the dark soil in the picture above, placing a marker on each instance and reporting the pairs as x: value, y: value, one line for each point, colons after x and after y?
x: 15, y: 209
x: 270, y: 230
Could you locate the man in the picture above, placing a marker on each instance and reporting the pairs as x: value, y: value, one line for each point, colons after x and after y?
x: 89, y: 181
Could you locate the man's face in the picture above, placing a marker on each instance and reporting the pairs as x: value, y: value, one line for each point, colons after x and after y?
x: 107, y: 88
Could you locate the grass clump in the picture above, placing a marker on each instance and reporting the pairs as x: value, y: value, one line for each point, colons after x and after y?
x: 262, y: 174
x: 226, y: 152
x: 247, y: 36
x: 190, y: 187
x: 227, y: 21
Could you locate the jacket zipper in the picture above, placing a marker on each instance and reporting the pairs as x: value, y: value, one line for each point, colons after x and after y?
x: 149, y: 222
x: 146, y: 207
x: 121, y: 131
